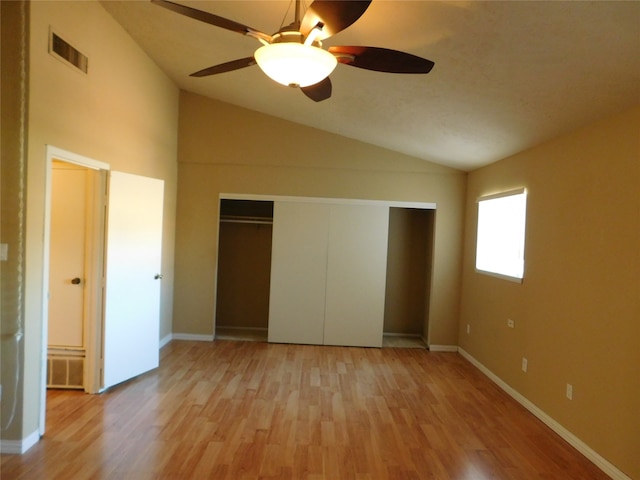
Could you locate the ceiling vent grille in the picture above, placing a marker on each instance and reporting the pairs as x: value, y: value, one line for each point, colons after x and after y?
x: 61, y: 49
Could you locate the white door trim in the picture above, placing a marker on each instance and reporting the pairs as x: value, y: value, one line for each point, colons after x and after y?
x: 93, y: 333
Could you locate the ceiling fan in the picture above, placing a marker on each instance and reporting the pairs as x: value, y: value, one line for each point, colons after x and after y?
x: 294, y: 56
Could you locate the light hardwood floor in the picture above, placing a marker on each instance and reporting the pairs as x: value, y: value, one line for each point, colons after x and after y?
x: 252, y: 410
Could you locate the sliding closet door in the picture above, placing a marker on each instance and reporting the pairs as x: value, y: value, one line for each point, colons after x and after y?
x: 356, y: 275
x: 298, y: 272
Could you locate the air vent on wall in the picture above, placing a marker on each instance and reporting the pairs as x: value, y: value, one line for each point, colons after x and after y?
x: 65, y: 372
x: 61, y: 49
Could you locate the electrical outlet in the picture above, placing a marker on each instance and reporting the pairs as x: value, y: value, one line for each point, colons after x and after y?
x: 525, y: 364
x: 468, y: 328
x: 510, y: 323
x: 569, y: 391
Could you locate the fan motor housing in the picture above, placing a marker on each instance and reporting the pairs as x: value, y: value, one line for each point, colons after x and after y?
x: 292, y: 36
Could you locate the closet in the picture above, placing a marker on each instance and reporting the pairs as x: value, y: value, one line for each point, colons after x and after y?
x: 323, y: 271
x: 409, y: 266
x: 244, y: 264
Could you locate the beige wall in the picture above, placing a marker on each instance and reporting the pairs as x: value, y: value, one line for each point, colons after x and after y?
x: 124, y: 113
x: 226, y: 149
x: 577, y: 313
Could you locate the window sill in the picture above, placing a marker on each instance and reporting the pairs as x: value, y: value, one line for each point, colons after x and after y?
x: 509, y: 278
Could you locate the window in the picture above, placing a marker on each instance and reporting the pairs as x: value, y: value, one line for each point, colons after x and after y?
x: 500, y: 241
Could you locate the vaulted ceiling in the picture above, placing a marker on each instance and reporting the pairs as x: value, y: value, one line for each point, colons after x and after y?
x: 508, y: 75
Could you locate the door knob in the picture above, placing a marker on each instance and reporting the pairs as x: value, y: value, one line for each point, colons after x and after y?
x: 76, y: 281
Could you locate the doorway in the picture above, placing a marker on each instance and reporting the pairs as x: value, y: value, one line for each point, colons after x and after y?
x: 70, y: 273
x: 73, y: 265
x: 93, y: 265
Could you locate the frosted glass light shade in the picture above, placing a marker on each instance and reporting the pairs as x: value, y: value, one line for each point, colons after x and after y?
x: 295, y: 64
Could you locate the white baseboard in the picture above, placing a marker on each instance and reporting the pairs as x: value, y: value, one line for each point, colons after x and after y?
x: 195, y: 337
x: 443, y: 348
x: 597, y: 459
x: 166, y: 339
x: 18, y: 447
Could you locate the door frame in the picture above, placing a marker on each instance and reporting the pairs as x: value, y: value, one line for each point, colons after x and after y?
x: 95, y: 270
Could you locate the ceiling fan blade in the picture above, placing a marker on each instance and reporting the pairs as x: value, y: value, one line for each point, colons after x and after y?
x: 381, y: 59
x: 207, y: 17
x: 225, y: 67
x: 335, y: 15
x: 318, y: 92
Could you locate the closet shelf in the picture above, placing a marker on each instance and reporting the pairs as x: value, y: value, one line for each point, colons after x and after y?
x: 245, y: 219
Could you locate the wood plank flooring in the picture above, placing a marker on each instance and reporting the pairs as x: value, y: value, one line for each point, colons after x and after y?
x: 250, y: 410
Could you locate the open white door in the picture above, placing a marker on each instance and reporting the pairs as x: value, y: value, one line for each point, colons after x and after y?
x: 132, y: 293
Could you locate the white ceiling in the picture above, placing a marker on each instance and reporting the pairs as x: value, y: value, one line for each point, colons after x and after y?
x: 508, y: 75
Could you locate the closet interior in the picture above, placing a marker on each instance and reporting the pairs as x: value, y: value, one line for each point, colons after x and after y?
x: 244, y: 269
x: 409, y: 266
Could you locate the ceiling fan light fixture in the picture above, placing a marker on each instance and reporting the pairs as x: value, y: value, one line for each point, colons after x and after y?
x: 295, y: 64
